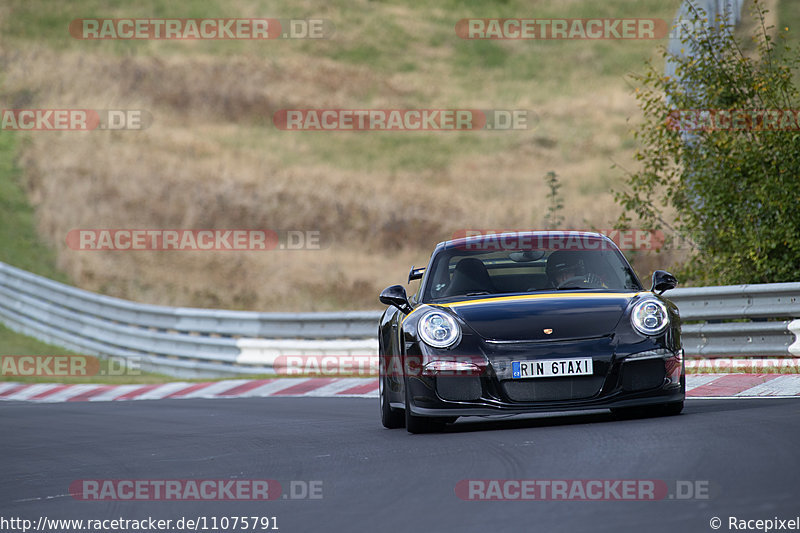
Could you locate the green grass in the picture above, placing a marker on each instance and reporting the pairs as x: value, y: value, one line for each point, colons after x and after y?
x: 16, y: 344
x: 20, y: 245
x: 19, y: 242
x: 386, y: 37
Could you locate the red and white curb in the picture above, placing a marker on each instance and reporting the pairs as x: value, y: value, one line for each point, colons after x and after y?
x: 234, y: 388
x: 697, y: 386
x: 763, y: 365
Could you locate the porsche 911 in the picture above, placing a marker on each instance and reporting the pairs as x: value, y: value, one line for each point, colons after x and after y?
x: 528, y: 322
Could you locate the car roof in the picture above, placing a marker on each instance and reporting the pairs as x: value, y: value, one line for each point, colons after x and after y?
x: 484, y: 236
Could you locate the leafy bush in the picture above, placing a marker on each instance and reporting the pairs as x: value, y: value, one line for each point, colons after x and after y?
x: 731, y: 186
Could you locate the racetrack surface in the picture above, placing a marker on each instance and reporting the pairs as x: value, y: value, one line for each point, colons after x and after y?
x: 375, y: 479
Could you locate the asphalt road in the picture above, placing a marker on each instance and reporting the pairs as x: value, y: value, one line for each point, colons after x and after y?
x: 745, y: 452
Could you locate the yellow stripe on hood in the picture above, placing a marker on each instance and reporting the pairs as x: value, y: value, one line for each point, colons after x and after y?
x: 598, y: 295
x: 464, y: 303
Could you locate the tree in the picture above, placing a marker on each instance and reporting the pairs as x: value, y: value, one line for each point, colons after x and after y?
x: 553, y: 219
x: 720, y: 147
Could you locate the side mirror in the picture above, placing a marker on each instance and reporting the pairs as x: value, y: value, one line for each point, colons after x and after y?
x: 663, y: 281
x: 396, y: 296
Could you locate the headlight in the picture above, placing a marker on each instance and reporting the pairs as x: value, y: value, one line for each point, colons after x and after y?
x: 650, y: 317
x: 438, y: 329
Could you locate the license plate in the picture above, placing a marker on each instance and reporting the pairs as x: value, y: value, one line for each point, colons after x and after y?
x: 552, y: 368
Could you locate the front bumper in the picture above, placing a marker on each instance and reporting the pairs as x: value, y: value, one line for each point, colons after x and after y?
x: 620, y: 383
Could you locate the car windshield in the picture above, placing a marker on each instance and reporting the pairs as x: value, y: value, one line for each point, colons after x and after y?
x: 458, y: 272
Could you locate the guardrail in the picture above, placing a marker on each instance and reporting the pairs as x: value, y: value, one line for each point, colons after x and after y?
x: 190, y: 342
x: 185, y: 342
x: 740, y: 320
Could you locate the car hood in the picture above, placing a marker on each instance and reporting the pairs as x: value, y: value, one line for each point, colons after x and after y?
x: 572, y: 315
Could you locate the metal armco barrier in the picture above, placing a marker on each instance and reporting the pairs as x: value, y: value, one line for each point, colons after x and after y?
x: 739, y: 320
x: 189, y: 342
x: 184, y: 342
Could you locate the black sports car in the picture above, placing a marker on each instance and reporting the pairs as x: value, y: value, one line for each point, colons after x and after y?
x: 527, y: 322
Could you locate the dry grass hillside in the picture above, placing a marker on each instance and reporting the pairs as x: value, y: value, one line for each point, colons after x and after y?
x: 212, y: 158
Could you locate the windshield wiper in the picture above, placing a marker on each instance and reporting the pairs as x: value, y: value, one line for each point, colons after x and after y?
x: 477, y: 293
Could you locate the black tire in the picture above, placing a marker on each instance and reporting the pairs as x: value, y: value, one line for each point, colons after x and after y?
x: 421, y: 424
x: 629, y: 413
x: 390, y: 418
x: 670, y: 409
x: 674, y: 408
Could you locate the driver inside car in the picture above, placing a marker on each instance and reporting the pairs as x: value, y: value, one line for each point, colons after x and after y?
x: 563, y: 266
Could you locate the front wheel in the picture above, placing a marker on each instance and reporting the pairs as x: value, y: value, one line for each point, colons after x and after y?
x: 665, y: 409
x: 390, y: 418
x: 629, y: 413
x: 670, y: 409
